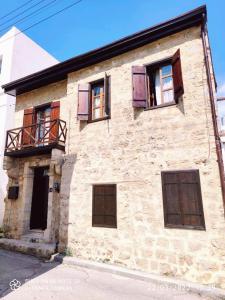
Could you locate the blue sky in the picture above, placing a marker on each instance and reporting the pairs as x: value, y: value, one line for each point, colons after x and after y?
x: 93, y: 23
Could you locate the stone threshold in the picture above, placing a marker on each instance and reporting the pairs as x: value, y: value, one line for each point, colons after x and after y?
x: 41, y: 250
x: 209, y: 291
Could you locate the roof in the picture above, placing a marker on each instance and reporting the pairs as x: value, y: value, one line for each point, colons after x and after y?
x: 59, y: 71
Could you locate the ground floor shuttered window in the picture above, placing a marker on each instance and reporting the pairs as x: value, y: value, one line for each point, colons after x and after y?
x: 182, y: 199
x: 104, y: 206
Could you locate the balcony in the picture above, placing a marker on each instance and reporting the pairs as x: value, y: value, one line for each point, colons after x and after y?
x: 36, y: 139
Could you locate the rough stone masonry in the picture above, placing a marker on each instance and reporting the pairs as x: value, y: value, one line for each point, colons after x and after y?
x: 131, y: 149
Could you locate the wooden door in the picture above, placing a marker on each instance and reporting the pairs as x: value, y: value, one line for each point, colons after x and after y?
x: 39, y: 208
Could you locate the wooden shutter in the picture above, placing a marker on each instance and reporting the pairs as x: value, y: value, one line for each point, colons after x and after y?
x: 55, y: 113
x: 139, y: 86
x: 104, y: 205
x: 98, y: 206
x: 83, y: 101
x: 28, y: 120
x: 171, y: 203
x: 182, y: 199
x: 191, y: 199
x: 107, y: 94
x: 177, y: 76
x: 110, y: 205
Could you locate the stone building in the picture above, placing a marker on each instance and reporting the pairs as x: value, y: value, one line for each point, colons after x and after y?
x: 116, y: 156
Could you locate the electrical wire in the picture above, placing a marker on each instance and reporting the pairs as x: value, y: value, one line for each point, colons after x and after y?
x: 21, y: 13
x: 43, y: 20
x: 27, y: 16
x: 12, y: 11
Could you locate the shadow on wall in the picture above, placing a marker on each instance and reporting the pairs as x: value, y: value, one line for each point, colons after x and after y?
x: 67, y: 174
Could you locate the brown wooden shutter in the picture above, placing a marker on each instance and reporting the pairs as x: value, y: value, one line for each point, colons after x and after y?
x: 98, y: 206
x: 107, y: 94
x: 182, y: 199
x: 177, y: 76
x: 191, y: 199
x: 83, y: 102
x: 104, y: 205
x: 28, y: 120
x: 171, y: 202
x: 139, y: 86
x: 55, y: 113
x: 110, y: 205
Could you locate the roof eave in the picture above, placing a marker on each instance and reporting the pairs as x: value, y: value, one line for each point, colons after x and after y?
x: 59, y: 72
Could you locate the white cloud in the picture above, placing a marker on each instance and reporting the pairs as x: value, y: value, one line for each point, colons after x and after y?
x: 221, y: 90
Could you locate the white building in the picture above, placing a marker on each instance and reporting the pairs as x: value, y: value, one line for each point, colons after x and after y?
x: 19, y: 56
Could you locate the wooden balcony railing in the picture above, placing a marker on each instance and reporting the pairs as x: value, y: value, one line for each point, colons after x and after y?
x: 36, y: 138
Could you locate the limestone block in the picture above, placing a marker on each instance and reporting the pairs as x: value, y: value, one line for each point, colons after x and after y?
x: 9, y: 163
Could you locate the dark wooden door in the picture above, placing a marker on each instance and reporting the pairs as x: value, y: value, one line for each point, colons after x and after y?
x: 39, y: 208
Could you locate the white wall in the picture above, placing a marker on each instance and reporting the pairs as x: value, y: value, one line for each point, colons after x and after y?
x: 20, y: 57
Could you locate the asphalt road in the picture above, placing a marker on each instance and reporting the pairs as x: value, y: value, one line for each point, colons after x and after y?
x: 27, y: 278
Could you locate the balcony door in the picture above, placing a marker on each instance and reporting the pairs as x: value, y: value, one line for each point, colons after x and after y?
x: 43, y: 118
x: 40, y: 125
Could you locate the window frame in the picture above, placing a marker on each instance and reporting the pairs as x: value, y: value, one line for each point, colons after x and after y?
x: 150, y: 68
x: 90, y: 113
x: 93, y: 198
x: 201, y: 227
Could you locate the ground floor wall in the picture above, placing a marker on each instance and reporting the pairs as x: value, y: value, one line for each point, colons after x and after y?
x: 3, y: 185
x: 140, y: 240
x: 18, y: 211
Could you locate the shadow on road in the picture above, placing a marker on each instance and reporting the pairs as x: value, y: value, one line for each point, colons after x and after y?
x: 17, y: 269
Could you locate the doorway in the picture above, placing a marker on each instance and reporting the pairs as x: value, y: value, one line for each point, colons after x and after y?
x: 42, y: 116
x: 39, y: 206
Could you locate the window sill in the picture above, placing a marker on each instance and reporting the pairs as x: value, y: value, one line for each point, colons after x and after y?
x: 162, y: 105
x: 189, y: 227
x: 104, y: 226
x: 97, y: 120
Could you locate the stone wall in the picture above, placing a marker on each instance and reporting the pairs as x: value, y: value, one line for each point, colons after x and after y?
x: 131, y: 149
x: 17, y: 212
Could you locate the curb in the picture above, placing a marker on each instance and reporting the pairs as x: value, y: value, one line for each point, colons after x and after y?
x: 208, y: 291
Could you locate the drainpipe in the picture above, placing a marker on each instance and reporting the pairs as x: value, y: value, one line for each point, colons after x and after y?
x: 208, y: 63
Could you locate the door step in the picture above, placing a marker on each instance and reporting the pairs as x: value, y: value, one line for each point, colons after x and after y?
x: 34, y: 236
x: 40, y: 250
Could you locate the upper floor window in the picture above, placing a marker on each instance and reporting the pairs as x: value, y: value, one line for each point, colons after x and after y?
x: 94, y: 100
x: 160, y: 80
x: 158, y: 84
x: 97, y: 105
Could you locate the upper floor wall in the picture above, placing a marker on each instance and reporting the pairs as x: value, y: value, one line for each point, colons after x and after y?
x: 119, y: 69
